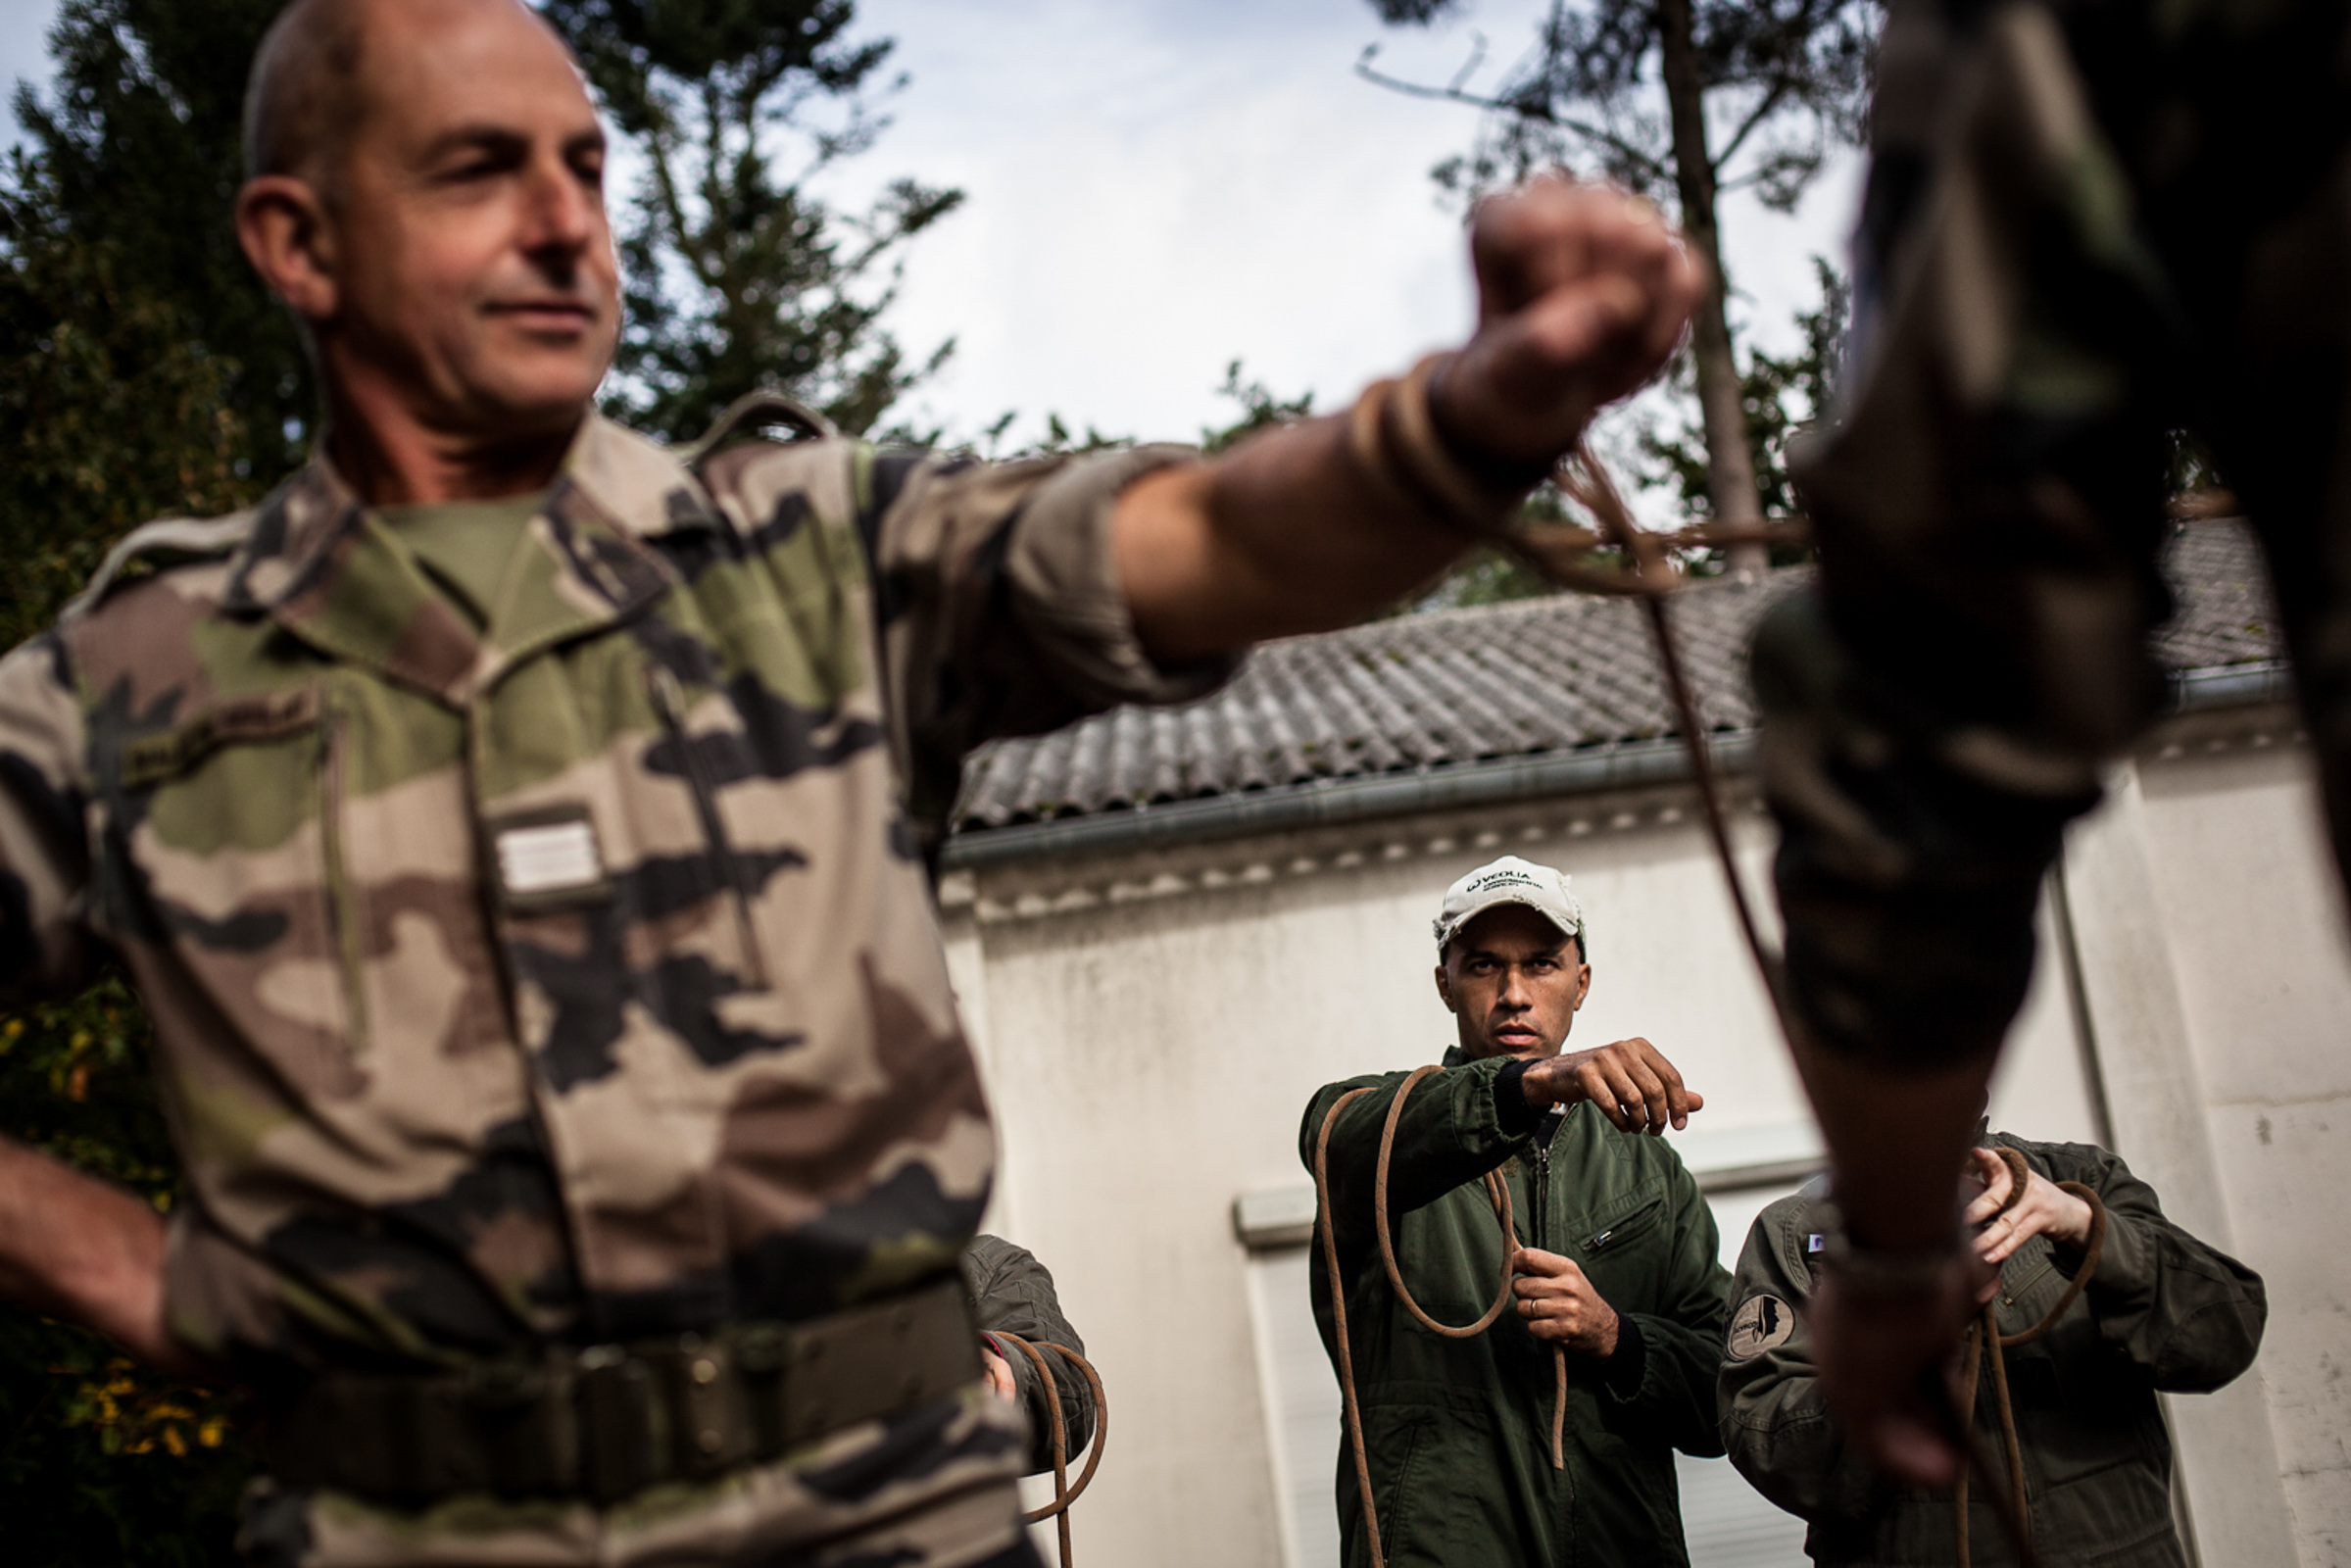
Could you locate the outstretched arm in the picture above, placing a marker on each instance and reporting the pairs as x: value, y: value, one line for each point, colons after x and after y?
x: 1582, y: 293
x: 1452, y: 1133
x: 1883, y: 1331
x: 81, y: 1250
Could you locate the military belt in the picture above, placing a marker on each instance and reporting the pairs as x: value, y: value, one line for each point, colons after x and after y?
x: 605, y: 1423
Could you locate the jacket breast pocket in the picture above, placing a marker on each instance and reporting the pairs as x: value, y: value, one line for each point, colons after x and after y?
x: 233, y: 833
x: 1617, y: 1244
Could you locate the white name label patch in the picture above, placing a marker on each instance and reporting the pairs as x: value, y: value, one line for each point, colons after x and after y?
x: 548, y: 858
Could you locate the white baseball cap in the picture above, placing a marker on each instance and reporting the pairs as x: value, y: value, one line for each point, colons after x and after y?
x: 1509, y: 880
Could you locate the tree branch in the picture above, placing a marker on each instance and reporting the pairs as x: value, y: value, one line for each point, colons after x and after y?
x: 1650, y: 166
x: 1768, y: 106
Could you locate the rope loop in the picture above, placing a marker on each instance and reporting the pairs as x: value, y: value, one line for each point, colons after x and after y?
x: 1498, y: 1191
x: 1986, y: 1341
x: 1063, y: 1492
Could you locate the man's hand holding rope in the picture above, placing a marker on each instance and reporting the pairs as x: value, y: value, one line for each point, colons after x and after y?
x: 2046, y: 1210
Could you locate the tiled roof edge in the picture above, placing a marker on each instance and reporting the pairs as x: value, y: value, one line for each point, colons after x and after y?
x: 1499, y: 782
x: 1328, y: 803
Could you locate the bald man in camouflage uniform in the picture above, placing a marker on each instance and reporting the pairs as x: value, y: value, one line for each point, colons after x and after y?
x: 518, y: 831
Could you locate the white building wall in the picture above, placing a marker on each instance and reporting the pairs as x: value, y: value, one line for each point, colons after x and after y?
x: 1152, y: 1028
x: 2258, y: 958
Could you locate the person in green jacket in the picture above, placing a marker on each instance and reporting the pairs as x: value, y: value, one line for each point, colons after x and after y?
x: 1012, y: 1293
x: 2162, y: 1311
x: 1615, y: 1262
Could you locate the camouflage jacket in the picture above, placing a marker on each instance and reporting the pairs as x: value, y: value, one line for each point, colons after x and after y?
x: 576, y: 978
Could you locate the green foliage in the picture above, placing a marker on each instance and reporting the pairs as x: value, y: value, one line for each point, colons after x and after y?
x: 1491, y: 577
x: 1763, y: 91
x: 101, y: 1461
x: 142, y: 373
x: 738, y: 277
x: 1784, y: 397
x: 109, y: 413
x: 1784, y: 81
x: 1260, y: 410
x: 137, y: 156
x: 1058, y: 439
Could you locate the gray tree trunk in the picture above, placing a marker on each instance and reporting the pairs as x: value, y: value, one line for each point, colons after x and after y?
x: 1730, y: 466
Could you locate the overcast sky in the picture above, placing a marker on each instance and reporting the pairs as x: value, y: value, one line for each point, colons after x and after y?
x: 1157, y: 187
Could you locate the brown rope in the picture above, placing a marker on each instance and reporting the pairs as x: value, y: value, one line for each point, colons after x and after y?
x: 1568, y: 557
x: 1063, y: 1492
x: 1985, y: 1341
x: 1564, y: 555
x: 1498, y: 1193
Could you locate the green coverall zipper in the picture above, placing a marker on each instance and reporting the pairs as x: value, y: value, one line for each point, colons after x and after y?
x: 1539, y: 1233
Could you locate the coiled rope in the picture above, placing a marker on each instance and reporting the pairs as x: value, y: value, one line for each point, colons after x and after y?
x: 1984, y: 1339
x: 1574, y: 559
x: 1063, y: 1492
x: 1392, y: 425
x: 1498, y: 1193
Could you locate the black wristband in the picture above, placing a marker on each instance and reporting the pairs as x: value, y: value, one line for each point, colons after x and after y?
x: 1511, y: 1113
x: 1625, y: 1364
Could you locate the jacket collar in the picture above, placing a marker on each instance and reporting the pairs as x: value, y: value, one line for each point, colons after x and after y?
x: 323, y: 568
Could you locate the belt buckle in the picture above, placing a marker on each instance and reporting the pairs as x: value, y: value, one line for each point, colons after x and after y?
x: 761, y: 1351
x: 710, y: 1429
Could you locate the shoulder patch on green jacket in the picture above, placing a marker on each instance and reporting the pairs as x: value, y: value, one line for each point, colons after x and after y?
x: 1763, y: 1322
x: 160, y: 546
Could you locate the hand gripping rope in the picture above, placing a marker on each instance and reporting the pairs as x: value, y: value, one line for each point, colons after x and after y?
x: 1499, y: 1193
x: 1984, y: 1337
x: 1063, y: 1492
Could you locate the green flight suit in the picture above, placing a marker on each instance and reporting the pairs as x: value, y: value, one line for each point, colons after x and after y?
x: 1458, y: 1430
x: 2164, y: 1311
x: 1012, y: 1293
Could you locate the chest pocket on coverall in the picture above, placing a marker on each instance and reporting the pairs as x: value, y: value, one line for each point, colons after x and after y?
x: 232, y: 825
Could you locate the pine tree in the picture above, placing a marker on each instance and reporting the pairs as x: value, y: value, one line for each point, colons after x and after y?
x: 738, y: 277
x: 1687, y: 101
x: 142, y: 373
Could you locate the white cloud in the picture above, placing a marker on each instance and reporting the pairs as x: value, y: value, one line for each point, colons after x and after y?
x: 1157, y: 187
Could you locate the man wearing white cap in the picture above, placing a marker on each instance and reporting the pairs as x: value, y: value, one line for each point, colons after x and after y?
x: 1615, y: 1261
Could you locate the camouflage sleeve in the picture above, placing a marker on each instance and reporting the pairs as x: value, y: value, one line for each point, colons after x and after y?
x: 996, y: 603
x: 44, y: 850
x: 1013, y: 1293
x: 1776, y: 1422
x: 1001, y: 609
